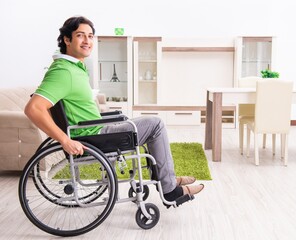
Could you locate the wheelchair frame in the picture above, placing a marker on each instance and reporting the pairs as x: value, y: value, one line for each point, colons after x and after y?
x: 73, y: 205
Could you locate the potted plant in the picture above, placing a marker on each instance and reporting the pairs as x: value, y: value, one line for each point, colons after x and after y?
x: 269, y: 74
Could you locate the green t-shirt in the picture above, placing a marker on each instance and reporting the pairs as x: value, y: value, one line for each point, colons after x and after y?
x: 68, y: 79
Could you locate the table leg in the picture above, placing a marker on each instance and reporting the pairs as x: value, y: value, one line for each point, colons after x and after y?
x: 208, y: 131
x: 217, y: 127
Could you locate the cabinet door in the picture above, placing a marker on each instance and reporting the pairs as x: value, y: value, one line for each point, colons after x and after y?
x: 112, y: 70
x: 147, y: 55
x: 254, y: 54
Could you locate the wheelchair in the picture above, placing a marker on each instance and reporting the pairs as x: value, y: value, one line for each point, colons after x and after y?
x: 59, y: 195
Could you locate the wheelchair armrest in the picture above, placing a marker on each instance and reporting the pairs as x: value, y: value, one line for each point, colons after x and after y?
x: 119, y: 118
x: 103, y: 114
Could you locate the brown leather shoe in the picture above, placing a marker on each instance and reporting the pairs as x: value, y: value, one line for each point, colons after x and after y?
x: 192, y: 189
x: 185, y: 180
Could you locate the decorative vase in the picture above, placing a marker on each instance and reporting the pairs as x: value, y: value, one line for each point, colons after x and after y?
x: 114, y: 76
x: 148, y: 75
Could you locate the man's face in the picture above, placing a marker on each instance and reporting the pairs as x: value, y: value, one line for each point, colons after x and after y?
x: 82, y: 42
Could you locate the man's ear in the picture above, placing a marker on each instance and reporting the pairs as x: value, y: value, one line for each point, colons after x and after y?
x: 67, y: 40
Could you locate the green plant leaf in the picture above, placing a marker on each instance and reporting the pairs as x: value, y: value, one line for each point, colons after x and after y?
x: 269, y: 74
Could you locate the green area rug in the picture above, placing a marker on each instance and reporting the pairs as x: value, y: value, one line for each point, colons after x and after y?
x: 189, y: 160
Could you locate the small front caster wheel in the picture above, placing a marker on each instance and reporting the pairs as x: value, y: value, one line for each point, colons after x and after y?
x: 131, y: 192
x: 143, y: 221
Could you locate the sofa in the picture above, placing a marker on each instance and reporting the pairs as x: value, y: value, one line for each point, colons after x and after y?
x: 101, y: 102
x: 19, y: 137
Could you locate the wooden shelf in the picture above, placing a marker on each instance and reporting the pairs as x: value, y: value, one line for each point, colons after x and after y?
x: 257, y: 39
x: 228, y: 114
x: 198, y: 49
x: 181, y: 108
x: 149, y: 39
x: 112, y: 38
x: 165, y: 108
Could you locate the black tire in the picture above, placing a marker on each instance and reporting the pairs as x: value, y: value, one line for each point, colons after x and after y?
x: 60, y: 205
x: 143, y: 221
x: 45, y: 143
x: 146, y: 191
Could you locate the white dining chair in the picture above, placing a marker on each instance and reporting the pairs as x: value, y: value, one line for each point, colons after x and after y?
x: 272, y: 114
x: 246, y: 111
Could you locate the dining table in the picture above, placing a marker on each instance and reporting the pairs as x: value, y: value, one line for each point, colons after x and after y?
x: 216, y: 99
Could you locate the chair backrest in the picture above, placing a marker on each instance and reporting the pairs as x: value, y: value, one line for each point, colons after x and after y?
x: 247, y: 82
x: 273, y: 106
x: 59, y: 116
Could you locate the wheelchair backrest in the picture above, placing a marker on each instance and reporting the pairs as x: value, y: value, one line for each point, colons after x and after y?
x: 59, y: 116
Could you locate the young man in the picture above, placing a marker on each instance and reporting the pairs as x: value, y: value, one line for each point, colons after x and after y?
x: 67, y: 79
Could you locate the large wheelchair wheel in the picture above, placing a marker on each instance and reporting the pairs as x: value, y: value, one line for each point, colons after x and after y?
x: 67, y: 199
x: 45, y: 143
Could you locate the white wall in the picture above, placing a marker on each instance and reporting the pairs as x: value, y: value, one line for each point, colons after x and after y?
x: 29, y: 28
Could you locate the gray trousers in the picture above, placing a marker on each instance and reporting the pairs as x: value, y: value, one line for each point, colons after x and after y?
x: 152, y: 131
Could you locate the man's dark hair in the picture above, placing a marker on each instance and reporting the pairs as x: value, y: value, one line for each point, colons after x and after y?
x: 70, y: 25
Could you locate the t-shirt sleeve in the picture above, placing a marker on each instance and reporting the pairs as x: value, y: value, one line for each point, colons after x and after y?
x: 55, y: 85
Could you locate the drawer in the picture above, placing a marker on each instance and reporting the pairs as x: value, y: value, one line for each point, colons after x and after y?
x: 160, y: 114
x: 120, y: 106
x: 183, y: 118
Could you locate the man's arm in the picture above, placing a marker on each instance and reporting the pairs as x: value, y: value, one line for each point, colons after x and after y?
x: 37, y: 110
